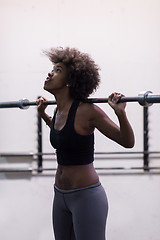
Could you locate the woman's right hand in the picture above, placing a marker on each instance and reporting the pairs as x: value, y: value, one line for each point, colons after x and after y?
x: 41, y: 106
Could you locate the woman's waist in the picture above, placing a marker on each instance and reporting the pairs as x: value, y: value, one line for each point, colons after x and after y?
x: 77, y: 189
x: 71, y: 177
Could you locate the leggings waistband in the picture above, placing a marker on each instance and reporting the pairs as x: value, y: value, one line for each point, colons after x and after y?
x: 77, y: 189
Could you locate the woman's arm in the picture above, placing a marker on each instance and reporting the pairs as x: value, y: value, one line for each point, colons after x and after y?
x: 41, y: 111
x: 122, y: 134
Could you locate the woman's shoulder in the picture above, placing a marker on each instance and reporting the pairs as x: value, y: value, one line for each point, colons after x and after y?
x: 90, y: 109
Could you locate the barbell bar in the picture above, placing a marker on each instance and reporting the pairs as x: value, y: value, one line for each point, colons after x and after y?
x: 144, y: 99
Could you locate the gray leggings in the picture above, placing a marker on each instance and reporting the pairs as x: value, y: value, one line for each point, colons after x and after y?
x: 80, y: 214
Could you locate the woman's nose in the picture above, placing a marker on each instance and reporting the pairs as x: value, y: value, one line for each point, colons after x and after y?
x: 50, y: 74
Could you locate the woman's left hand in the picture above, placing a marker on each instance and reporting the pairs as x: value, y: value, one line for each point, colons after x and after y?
x: 113, y: 102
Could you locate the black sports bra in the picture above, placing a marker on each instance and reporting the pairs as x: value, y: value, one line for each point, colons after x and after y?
x: 71, y: 147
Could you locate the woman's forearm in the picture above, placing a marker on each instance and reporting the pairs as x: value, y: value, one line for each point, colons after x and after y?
x: 126, y: 132
x: 47, y: 119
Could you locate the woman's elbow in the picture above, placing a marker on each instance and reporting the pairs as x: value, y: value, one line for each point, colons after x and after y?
x: 129, y: 144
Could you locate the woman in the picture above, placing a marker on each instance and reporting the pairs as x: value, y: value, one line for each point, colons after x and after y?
x: 80, y: 204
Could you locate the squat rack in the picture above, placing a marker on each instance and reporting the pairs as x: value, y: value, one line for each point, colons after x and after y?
x: 145, y: 99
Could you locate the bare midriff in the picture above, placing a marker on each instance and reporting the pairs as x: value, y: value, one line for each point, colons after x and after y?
x: 72, y: 177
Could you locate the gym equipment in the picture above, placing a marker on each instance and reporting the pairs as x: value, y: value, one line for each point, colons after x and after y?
x: 144, y: 99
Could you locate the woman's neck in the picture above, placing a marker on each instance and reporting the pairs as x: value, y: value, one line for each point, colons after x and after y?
x: 63, y: 102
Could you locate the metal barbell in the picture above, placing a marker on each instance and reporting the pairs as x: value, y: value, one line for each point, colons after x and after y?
x: 144, y: 99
